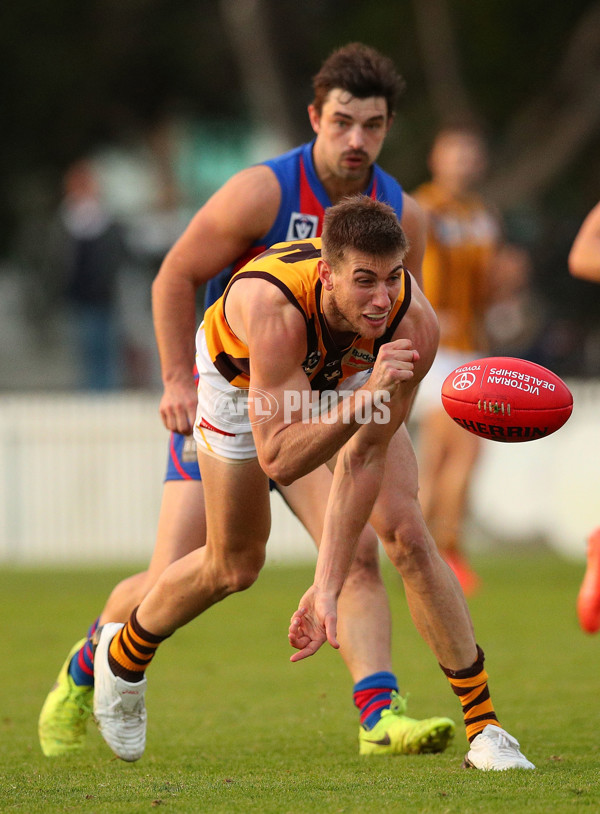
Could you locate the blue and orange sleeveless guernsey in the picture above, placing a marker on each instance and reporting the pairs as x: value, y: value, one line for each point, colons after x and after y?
x: 292, y: 267
x: 304, y: 200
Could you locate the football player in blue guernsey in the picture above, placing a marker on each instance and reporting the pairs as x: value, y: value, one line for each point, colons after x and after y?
x: 355, y: 95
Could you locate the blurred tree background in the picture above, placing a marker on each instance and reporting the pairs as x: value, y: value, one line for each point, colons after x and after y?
x: 192, y: 90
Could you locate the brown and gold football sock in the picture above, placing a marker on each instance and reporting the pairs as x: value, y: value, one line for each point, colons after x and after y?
x: 471, y: 687
x: 132, y: 649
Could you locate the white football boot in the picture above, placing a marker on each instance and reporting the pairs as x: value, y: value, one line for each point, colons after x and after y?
x: 495, y: 750
x: 119, y: 707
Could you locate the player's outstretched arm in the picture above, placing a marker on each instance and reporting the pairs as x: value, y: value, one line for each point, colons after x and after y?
x: 584, y: 257
x: 359, y: 473
x: 236, y: 216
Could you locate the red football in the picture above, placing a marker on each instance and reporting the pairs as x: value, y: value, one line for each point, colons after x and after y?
x: 506, y: 399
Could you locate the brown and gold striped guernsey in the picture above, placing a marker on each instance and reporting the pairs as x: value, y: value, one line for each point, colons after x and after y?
x: 462, y: 237
x: 292, y: 267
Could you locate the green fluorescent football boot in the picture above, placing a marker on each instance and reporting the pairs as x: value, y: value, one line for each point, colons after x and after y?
x: 397, y: 734
x: 64, y: 716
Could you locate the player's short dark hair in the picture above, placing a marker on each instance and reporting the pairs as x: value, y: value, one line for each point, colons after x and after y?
x: 364, y: 224
x: 361, y: 71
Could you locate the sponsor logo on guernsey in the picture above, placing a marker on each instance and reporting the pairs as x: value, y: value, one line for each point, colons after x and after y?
x: 302, y: 226
x: 360, y: 358
x: 311, y: 361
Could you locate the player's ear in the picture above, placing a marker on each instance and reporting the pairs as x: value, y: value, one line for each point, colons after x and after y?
x: 314, y: 118
x: 390, y: 122
x: 325, y: 275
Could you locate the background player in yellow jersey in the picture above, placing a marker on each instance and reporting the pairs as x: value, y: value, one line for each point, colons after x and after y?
x: 256, y: 340
x: 462, y: 236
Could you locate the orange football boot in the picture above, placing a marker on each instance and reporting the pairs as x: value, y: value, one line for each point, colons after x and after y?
x: 588, y: 600
x: 468, y: 579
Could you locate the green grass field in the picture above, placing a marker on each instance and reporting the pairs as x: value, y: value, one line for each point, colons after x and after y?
x: 234, y: 727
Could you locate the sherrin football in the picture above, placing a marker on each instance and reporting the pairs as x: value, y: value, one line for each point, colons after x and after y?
x: 506, y: 399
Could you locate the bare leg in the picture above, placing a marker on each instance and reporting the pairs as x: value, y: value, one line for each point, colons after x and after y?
x: 181, y: 529
x: 238, y: 521
x: 436, y: 601
x: 364, y: 623
x: 365, y: 637
x: 238, y: 524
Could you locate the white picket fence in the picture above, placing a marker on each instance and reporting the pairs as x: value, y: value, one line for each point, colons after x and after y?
x: 81, y: 480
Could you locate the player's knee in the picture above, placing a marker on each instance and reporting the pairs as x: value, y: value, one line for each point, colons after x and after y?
x: 125, y: 597
x: 408, y: 546
x: 241, y: 579
x: 242, y: 574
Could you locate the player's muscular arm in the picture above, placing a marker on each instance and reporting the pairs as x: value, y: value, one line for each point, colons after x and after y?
x: 296, y: 444
x: 361, y: 462
x: 356, y: 483
x: 288, y: 445
x: 420, y: 326
x: 241, y: 212
x: 275, y: 333
x: 414, y: 223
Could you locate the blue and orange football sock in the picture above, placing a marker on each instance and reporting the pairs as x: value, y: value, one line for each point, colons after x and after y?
x: 81, y: 668
x: 372, y: 695
x: 471, y: 687
x: 132, y: 649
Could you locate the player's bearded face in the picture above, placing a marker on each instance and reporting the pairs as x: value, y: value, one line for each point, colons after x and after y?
x: 351, y: 133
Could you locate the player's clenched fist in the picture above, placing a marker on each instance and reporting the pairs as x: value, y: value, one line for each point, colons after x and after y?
x: 394, y: 364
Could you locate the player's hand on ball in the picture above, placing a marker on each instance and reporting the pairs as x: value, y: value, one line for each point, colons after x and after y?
x: 313, y: 623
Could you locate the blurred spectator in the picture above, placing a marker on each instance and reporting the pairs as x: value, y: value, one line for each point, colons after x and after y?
x: 463, y: 234
x: 513, y: 320
x: 91, y: 250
